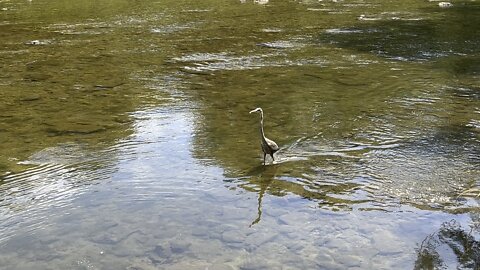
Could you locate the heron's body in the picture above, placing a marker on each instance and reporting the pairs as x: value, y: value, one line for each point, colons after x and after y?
x: 269, y: 147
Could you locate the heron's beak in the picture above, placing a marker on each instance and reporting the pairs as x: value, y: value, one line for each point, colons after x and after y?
x: 255, y: 110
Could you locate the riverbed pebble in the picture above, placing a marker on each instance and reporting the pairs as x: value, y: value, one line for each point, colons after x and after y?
x: 179, y: 245
x: 259, y: 238
x: 233, y: 236
x: 220, y: 266
x: 141, y: 264
x: 293, y: 218
x: 445, y: 4
x: 386, y: 242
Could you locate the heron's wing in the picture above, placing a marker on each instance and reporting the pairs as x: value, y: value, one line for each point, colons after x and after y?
x: 272, y: 144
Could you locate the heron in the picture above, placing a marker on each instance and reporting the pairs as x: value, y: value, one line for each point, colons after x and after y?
x: 268, y: 146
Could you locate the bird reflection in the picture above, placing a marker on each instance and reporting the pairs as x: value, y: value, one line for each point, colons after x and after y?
x: 262, y: 177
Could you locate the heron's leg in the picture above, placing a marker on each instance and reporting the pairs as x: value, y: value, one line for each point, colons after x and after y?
x: 272, y: 157
x: 264, y: 156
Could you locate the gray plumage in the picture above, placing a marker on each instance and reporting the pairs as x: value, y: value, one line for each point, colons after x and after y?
x: 268, y: 146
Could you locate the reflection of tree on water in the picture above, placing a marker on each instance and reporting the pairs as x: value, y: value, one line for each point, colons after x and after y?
x: 450, y: 238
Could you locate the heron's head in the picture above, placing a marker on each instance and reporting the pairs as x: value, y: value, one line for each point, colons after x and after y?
x: 256, y: 110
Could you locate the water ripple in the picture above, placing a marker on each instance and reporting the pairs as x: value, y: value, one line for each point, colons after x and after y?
x: 384, y: 172
x: 58, y: 175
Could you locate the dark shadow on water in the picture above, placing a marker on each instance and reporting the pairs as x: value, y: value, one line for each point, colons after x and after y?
x: 466, y: 65
x: 338, y: 102
x: 455, y: 32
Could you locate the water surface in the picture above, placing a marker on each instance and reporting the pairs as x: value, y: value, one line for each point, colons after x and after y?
x: 127, y: 143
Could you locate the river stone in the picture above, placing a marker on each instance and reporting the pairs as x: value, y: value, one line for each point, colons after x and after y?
x: 131, y: 245
x: 326, y: 262
x: 288, y: 231
x: 348, y: 261
x: 220, y: 266
x: 32, y: 97
x: 386, y: 242
x: 233, y: 236
x: 208, y: 248
x: 160, y: 253
x: 187, y: 264
x: 221, y: 228
x: 295, y: 246
x: 260, y: 238
x: 324, y: 255
x: 75, y: 129
x: 141, y: 264
x: 105, y: 239
x: 352, y: 236
x: 201, y: 231
x: 256, y: 263
x: 445, y: 4
x: 163, y: 250
x: 179, y: 246
x: 275, y: 212
x: 293, y: 218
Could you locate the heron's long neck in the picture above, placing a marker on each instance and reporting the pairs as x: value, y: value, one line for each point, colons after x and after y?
x: 261, y: 126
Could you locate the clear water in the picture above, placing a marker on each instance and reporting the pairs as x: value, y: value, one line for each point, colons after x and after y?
x: 127, y: 143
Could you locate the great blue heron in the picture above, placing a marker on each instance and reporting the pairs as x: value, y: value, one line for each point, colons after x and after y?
x: 268, y: 146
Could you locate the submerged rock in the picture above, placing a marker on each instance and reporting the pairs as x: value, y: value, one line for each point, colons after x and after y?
x: 232, y: 236
x: 37, y: 42
x: 220, y: 266
x: 141, y: 264
x: 445, y: 4
x: 179, y: 246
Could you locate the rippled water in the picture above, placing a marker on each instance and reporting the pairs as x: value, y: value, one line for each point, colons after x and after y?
x: 127, y: 142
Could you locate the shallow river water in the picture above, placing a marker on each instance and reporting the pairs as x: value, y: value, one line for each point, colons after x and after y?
x: 126, y: 141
